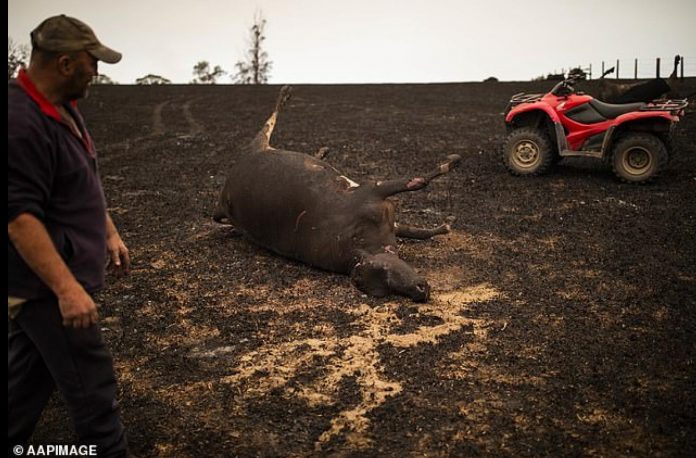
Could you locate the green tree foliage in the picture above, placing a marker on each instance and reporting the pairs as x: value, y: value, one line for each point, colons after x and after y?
x: 257, y: 67
x: 17, y: 56
x: 204, y: 75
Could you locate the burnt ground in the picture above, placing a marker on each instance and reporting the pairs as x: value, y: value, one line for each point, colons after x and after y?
x: 563, y: 316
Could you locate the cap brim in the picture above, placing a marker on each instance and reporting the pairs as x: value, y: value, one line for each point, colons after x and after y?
x: 105, y: 54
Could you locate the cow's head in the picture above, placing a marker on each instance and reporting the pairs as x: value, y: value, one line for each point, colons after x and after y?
x: 385, y: 273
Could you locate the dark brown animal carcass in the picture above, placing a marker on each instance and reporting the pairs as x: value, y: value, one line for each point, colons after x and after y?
x: 301, y: 207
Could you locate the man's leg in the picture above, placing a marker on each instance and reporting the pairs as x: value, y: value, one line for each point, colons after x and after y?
x: 29, y: 385
x: 82, y: 369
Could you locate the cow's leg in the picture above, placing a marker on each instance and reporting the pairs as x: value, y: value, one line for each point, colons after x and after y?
x: 221, y: 218
x: 220, y: 215
x: 263, y: 138
x: 391, y: 187
x: 420, y: 233
x: 673, y: 79
x: 677, y: 59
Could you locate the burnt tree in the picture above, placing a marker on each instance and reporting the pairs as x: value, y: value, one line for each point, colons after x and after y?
x: 257, y: 67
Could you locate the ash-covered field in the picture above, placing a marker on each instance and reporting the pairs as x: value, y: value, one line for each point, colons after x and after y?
x: 563, y: 313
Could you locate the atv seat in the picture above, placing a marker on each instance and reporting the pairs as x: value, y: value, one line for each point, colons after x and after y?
x: 611, y: 111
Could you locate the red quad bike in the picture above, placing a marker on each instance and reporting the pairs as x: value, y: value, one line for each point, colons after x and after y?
x: 635, y: 138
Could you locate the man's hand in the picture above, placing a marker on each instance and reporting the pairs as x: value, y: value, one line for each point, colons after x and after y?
x: 30, y: 238
x: 118, y: 251
x: 118, y: 254
x: 77, y: 308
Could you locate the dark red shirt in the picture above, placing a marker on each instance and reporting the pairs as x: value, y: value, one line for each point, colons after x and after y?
x: 52, y: 174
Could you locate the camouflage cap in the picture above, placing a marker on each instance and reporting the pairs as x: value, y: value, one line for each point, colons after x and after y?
x: 66, y: 34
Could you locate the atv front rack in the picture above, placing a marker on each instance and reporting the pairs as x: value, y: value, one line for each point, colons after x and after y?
x: 673, y: 106
x: 520, y: 98
x: 524, y: 98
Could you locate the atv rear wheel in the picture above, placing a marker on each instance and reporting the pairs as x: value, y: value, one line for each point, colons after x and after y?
x: 527, y: 151
x: 638, y: 157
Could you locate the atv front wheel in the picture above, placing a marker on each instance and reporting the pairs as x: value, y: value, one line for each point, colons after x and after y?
x: 527, y: 151
x: 638, y: 157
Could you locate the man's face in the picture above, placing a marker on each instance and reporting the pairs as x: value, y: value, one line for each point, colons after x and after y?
x: 83, y: 69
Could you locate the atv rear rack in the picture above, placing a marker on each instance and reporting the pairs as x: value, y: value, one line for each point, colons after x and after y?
x: 673, y: 106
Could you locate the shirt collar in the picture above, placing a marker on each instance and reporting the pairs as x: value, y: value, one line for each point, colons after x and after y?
x: 48, y: 108
x: 29, y: 87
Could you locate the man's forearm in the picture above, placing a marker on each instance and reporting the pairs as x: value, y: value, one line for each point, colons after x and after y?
x: 30, y: 237
x: 110, y: 226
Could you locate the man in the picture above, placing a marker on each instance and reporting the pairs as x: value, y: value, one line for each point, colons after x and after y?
x: 59, y: 234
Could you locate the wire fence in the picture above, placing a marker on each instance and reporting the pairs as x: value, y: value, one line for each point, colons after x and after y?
x: 638, y: 68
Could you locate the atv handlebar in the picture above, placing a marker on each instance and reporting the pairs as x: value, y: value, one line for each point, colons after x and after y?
x: 565, y: 87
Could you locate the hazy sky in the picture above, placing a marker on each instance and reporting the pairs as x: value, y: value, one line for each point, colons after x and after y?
x: 373, y: 41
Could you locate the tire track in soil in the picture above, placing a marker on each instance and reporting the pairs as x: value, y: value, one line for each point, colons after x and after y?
x: 194, y: 127
x: 159, y: 128
x: 124, y: 147
x: 157, y: 124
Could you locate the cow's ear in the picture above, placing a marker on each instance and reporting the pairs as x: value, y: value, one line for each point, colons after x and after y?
x: 370, y: 277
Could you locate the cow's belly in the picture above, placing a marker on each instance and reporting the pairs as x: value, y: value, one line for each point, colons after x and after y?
x: 294, y: 207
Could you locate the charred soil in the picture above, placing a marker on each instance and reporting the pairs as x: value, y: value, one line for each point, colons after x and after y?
x: 563, y: 312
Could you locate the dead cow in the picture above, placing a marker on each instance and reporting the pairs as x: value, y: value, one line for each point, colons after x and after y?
x: 301, y: 207
x: 644, y: 91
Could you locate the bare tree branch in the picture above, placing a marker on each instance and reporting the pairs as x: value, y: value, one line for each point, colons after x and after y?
x: 257, y: 67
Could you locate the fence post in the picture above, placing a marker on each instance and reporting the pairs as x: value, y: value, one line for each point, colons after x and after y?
x: 657, y: 67
x: 602, y: 68
x: 591, y: 69
x: 682, y: 68
x: 617, y: 68
x: 635, y: 69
